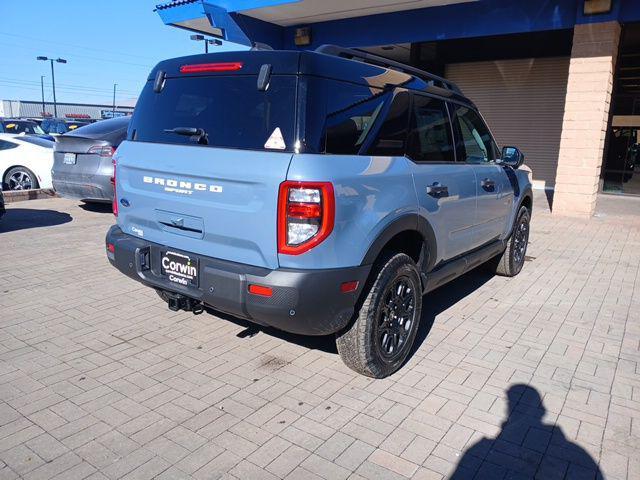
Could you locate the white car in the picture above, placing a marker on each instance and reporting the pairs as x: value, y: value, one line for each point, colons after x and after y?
x: 25, y: 162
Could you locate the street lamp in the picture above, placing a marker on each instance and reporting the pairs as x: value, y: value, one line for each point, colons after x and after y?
x: 42, y: 89
x: 207, y: 42
x: 53, y: 79
x: 113, y: 112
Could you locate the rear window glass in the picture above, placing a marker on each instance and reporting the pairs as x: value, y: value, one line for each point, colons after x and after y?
x: 230, y: 109
x: 103, y: 127
x: 42, y: 142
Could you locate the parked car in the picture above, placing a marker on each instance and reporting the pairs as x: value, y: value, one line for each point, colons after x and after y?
x: 83, y: 167
x: 2, y: 209
x: 25, y: 162
x: 58, y: 126
x: 315, y: 192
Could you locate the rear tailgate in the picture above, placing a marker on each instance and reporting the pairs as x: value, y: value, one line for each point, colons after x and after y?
x: 216, y: 202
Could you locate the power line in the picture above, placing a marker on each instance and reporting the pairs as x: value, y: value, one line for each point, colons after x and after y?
x: 49, y: 41
x: 71, y: 86
x: 88, y: 94
x: 68, y: 90
x: 39, y: 49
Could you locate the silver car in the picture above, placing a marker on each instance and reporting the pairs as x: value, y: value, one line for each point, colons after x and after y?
x: 82, y: 167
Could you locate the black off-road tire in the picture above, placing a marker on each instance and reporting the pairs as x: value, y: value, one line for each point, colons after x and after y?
x: 361, y: 345
x: 509, y: 263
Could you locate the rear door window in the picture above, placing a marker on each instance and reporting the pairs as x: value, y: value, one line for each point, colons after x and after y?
x: 430, y: 138
x: 230, y: 109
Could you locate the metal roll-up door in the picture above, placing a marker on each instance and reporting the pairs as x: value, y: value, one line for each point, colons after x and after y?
x: 523, y: 102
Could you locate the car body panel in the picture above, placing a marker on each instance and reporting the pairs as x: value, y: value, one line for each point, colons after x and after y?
x: 36, y: 158
x: 453, y: 215
x: 83, y: 175
x: 495, y: 204
x: 232, y: 193
x: 371, y: 192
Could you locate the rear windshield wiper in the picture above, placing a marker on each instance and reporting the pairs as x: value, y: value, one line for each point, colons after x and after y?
x: 196, y: 134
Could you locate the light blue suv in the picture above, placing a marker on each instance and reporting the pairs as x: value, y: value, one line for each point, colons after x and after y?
x: 315, y: 192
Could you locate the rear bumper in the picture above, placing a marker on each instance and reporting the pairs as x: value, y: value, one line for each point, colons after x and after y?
x: 307, y: 302
x: 84, y: 187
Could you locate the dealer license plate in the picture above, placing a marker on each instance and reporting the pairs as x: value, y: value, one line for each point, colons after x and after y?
x: 179, y: 268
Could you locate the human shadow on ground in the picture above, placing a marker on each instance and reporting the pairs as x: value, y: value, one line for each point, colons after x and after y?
x: 26, y: 218
x: 526, y: 447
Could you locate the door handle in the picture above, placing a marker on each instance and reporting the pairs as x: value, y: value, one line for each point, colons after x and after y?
x: 437, y: 190
x: 488, y: 184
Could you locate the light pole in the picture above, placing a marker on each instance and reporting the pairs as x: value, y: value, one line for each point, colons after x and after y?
x: 42, y: 88
x: 207, y: 42
x: 53, y: 80
x: 113, y: 113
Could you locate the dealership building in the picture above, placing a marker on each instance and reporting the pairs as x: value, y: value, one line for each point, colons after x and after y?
x: 559, y: 79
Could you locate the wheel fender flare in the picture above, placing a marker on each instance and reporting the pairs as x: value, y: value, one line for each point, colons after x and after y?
x: 410, y: 222
x: 527, y: 193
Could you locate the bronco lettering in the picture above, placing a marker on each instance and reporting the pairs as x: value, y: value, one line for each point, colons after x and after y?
x: 185, y: 187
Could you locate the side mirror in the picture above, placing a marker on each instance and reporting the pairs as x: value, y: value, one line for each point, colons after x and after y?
x: 512, y: 157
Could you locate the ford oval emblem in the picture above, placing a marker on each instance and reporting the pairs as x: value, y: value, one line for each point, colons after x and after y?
x: 124, y: 202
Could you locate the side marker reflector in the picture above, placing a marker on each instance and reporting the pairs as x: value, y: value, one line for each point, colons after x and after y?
x: 348, y: 287
x: 261, y: 290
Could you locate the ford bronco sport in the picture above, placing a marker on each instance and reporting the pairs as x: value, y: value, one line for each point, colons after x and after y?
x: 315, y: 192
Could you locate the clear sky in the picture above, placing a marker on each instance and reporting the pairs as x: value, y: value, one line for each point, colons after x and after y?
x: 103, y: 41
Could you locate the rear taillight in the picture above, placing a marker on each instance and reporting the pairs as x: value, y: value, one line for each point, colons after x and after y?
x: 306, y: 213
x: 114, y: 204
x: 103, y: 151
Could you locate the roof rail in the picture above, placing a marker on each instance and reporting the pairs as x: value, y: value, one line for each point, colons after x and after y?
x: 366, y: 57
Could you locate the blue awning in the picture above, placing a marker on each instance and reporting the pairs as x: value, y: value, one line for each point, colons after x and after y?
x: 213, y: 17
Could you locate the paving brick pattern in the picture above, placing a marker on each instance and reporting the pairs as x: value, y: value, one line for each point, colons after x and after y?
x: 535, y: 376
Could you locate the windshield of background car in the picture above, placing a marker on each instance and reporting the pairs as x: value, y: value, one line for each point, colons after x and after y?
x: 20, y: 126
x: 229, y: 109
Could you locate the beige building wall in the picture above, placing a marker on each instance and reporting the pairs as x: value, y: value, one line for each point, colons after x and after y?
x: 586, y: 114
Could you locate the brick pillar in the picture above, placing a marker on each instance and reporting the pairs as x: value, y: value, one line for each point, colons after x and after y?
x: 586, y: 115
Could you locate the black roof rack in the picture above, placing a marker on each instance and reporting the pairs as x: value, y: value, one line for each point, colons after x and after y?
x: 366, y: 57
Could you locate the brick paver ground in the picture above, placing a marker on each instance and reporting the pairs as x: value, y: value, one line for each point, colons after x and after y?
x: 536, y: 375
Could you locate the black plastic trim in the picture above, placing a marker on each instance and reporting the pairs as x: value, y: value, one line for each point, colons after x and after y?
x: 405, y: 223
x: 307, y: 302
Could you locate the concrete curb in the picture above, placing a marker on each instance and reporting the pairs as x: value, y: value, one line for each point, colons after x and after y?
x: 22, y: 195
